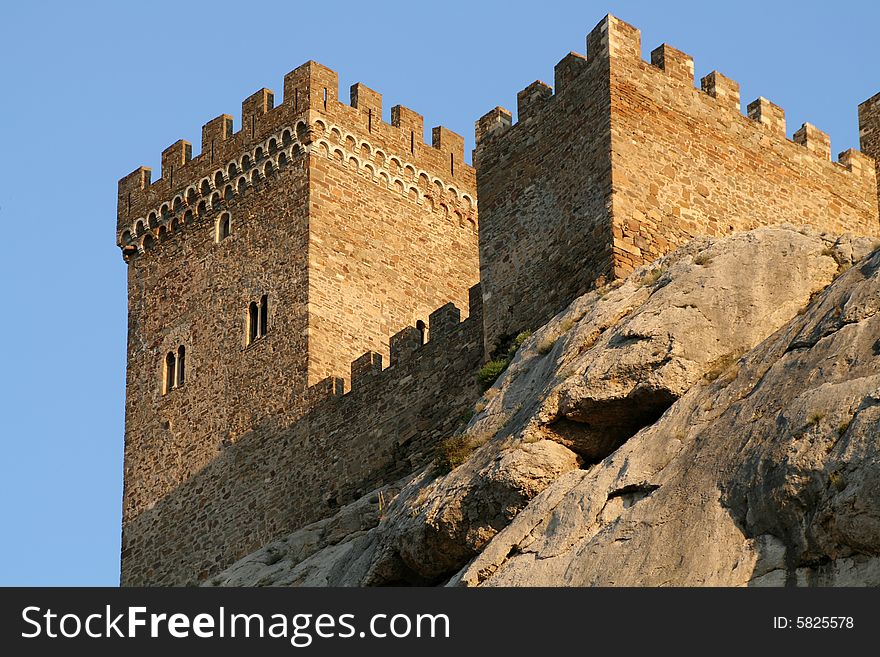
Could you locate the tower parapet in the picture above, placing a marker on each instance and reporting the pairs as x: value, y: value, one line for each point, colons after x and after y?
x: 271, y: 138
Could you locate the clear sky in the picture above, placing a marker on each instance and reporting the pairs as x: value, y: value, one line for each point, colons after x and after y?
x: 92, y: 90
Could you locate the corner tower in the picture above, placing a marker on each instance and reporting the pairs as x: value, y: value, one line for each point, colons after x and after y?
x: 869, y: 131
x: 272, y: 259
x: 627, y: 160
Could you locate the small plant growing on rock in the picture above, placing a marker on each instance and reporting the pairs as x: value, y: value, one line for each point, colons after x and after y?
x: 489, y: 373
x: 453, y: 452
x: 456, y: 449
x: 837, y: 480
x: 549, y: 340
x: 518, y: 342
x: 718, y: 366
x: 702, y: 259
x: 546, y: 344
x: 815, y: 418
x: 651, y: 277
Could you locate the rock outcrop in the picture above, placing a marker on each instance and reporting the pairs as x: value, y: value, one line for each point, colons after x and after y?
x: 711, y: 420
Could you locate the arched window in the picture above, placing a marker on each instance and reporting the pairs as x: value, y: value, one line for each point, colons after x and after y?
x: 245, y: 163
x: 423, y: 330
x: 273, y: 146
x: 181, y: 366
x: 253, y: 321
x: 259, y: 154
x: 206, y: 188
x: 286, y: 137
x: 264, y: 315
x: 232, y: 170
x: 224, y: 226
x: 218, y: 180
x: 170, y: 372
x: 174, y: 370
x: 258, y: 319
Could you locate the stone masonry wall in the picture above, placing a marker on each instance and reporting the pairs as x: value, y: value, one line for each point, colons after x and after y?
x: 544, y: 187
x: 352, y: 228
x: 627, y: 160
x: 189, y: 290
x: 869, y: 132
x: 392, y: 224
x: 281, y: 476
x: 686, y: 162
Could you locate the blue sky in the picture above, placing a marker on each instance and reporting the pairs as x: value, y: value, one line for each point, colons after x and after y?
x: 93, y: 90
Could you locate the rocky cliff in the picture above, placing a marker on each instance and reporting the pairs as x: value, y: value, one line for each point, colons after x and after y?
x: 714, y: 419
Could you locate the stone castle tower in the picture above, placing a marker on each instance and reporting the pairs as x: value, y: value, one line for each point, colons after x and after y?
x: 267, y: 274
x: 273, y: 259
x: 634, y: 161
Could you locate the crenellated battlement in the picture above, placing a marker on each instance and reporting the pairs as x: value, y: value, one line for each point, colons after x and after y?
x: 613, y: 43
x: 444, y: 330
x: 633, y: 157
x: 262, y: 163
x: 271, y: 137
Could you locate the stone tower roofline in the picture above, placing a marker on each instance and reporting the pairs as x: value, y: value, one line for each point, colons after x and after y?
x: 310, y: 118
x: 612, y: 39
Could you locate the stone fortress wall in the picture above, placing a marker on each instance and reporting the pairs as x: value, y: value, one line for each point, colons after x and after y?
x: 286, y: 473
x: 628, y: 160
x: 869, y: 132
x: 354, y: 230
